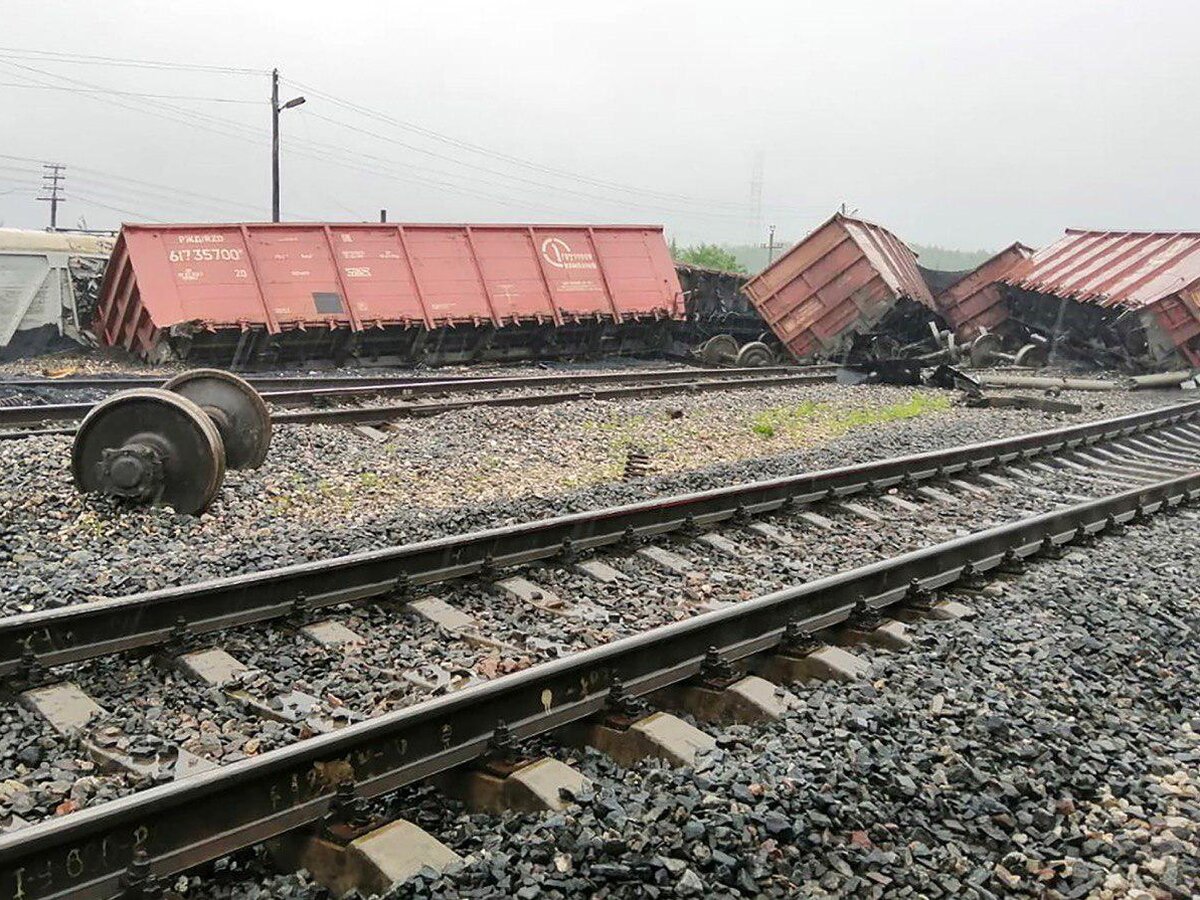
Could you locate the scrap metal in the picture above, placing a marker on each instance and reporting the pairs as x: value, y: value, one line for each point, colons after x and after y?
x: 48, y: 287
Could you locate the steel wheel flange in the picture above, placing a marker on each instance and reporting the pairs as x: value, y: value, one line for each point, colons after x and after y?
x: 236, y: 409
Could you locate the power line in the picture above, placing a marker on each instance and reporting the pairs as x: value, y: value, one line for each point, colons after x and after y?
x: 514, y: 160
x: 116, y: 186
x: 88, y: 59
x: 54, y: 87
x: 118, y: 180
x: 126, y: 212
x: 531, y: 181
x: 319, y: 150
x: 160, y: 109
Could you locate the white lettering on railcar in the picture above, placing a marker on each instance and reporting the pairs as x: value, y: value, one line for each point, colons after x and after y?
x: 207, y: 254
x: 558, y: 253
x: 577, y: 287
x: 353, y: 254
x: 201, y: 238
x: 358, y: 271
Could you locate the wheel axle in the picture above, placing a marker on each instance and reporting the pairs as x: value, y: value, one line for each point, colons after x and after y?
x: 171, y: 445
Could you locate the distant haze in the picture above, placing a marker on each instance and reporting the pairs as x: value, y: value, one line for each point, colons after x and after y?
x: 957, y: 124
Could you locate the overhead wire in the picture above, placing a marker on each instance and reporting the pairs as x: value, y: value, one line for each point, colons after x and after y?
x: 228, y: 128
x: 232, y: 129
x: 515, y: 160
x: 659, y: 207
x: 55, y: 56
x: 107, y: 184
x: 117, y: 93
x: 325, y: 151
x: 168, y: 190
x: 91, y: 59
x: 743, y: 207
x: 117, y: 209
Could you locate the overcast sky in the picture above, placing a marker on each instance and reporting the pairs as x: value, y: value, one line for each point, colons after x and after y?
x: 960, y: 123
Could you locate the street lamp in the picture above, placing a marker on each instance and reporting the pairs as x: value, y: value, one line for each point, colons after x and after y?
x: 276, y: 109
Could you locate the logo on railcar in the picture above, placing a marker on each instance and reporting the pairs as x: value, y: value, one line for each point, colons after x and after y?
x: 558, y: 253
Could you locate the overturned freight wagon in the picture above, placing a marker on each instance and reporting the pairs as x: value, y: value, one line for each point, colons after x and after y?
x: 1129, y: 299
x: 49, y: 283
x: 249, y: 295
x: 972, y: 302
x: 849, y: 289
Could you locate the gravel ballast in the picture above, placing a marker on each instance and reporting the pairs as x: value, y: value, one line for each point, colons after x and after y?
x: 1048, y: 747
x: 329, y: 490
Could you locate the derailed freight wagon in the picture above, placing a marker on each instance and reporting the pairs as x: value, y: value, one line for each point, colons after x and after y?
x: 1117, y: 298
x: 49, y: 283
x: 247, y: 295
x: 849, y: 289
x: 973, y: 301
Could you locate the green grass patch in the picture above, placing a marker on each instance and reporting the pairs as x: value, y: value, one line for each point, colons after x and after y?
x: 792, y: 420
x: 917, y: 405
x: 784, y: 419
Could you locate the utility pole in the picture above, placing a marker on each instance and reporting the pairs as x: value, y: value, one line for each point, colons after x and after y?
x: 771, y: 246
x: 276, y: 109
x: 52, y: 180
x: 274, y: 145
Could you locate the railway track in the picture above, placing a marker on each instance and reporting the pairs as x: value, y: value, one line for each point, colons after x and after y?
x: 488, y: 391
x: 1140, y: 463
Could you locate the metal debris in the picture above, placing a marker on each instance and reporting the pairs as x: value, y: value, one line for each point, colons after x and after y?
x: 1023, y: 401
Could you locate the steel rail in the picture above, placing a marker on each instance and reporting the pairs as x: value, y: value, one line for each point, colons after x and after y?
x: 182, y: 824
x: 300, y: 383
x: 374, y: 415
x: 88, y: 630
x: 662, y: 381
x: 286, y: 384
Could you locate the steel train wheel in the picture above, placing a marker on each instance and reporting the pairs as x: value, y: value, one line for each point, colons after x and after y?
x: 984, y: 349
x: 236, y: 409
x: 755, y: 355
x: 149, y: 446
x: 719, y: 349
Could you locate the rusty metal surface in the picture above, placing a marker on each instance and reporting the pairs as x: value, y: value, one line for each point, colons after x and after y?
x: 1113, y: 268
x: 365, y: 277
x: 975, y: 301
x: 838, y: 281
x: 1155, y: 273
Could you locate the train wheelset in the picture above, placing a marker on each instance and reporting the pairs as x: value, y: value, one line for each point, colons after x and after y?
x: 170, y: 445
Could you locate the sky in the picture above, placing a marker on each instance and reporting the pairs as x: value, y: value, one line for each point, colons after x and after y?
x: 963, y: 124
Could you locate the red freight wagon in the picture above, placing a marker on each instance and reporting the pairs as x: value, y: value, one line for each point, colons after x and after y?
x: 239, y: 295
x: 1134, y: 294
x: 846, y: 279
x: 975, y: 301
